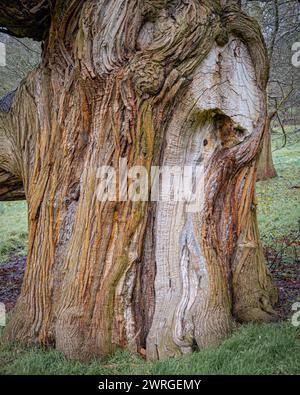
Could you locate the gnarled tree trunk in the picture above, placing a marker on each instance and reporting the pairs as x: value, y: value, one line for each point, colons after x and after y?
x: 158, y: 83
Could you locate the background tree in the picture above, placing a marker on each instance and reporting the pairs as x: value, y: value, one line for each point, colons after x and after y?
x: 159, y: 83
x: 279, y: 21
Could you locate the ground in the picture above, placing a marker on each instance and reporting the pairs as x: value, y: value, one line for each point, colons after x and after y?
x: 252, y: 349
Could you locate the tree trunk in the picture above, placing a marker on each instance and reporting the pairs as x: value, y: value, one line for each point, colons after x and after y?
x: 159, y: 83
x: 266, y: 168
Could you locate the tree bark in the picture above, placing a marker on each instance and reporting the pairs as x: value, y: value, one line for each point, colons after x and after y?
x: 266, y: 169
x: 158, y: 83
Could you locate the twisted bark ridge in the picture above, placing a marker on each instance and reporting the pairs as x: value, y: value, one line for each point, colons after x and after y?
x: 158, y: 83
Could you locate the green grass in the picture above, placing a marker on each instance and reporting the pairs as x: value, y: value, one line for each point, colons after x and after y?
x: 279, y: 203
x: 253, y: 349
x: 13, y: 229
x: 278, y: 206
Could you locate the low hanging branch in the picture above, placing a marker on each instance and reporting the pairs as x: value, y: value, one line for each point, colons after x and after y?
x: 11, y: 188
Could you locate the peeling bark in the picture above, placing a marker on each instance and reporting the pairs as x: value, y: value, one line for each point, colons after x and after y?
x: 159, y: 83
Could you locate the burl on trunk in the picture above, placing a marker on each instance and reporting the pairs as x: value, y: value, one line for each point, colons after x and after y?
x: 160, y: 83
